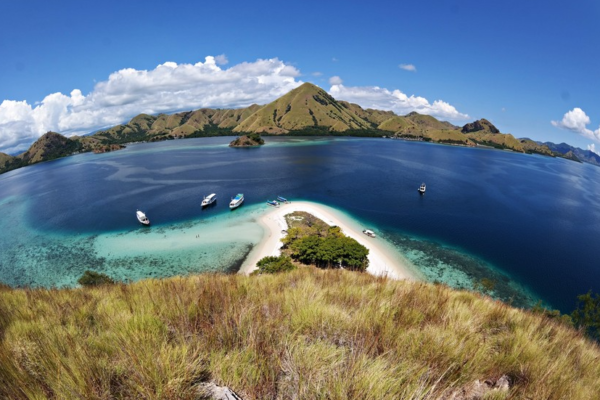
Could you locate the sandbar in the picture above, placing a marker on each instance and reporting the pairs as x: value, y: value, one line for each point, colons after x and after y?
x: 384, y: 259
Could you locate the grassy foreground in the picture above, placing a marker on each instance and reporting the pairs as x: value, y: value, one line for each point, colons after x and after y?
x: 307, y: 334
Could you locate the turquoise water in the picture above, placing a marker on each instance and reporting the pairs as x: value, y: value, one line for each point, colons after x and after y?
x: 527, y: 223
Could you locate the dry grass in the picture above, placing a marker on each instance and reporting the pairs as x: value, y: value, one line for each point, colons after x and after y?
x: 308, y: 334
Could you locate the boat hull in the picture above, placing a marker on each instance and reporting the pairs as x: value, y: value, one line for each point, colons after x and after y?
x: 233, y: 206
x: 236, y: 202
x: 208, y: 203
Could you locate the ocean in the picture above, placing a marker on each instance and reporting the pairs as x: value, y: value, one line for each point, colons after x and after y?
x: 521, y: 227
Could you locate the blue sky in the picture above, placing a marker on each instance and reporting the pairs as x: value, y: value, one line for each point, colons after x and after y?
x: 520, y: 64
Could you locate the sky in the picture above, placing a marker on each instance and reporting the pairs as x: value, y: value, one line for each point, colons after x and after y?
x: 530, y: 67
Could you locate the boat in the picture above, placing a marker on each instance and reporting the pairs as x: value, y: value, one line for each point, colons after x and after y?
x: 208, y: 200
x: 236, y: 201
x: 282, y: 199
x: 142, y: 217
x: 369, y: 233
x: 422, y: 188
x: 273, y: 203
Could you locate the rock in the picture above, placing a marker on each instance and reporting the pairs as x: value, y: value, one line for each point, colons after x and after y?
x: 479, y: 389
x: 211, y: 391
x: 502, y: 384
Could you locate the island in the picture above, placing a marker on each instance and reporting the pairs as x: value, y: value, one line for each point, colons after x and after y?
x: 383, y: 258
x: 249, y: 140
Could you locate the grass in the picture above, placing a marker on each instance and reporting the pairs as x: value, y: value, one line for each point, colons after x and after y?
x: 307, y: 334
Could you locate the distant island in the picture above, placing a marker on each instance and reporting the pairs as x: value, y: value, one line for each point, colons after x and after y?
x: 305, y: 111
x: 249, y: 140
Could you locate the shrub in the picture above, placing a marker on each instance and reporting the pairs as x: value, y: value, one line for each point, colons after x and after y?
x: 273, y: 265
x: 92, y: 278
x: 587, y: 314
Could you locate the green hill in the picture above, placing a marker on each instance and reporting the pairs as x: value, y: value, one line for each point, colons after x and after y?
x: 534, y: 147
x: 48, y: 147
x: 398, y: 125
x: 426, y: 122
x: 307, y: 334
x: 307, y: 106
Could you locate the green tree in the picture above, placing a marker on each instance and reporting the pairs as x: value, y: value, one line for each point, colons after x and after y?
x: 92, y: 278
x: 305, y: 249
x: 587, y: 314
x: 353, y: 255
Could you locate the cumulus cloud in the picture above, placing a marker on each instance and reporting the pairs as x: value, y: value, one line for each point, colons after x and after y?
x: 335, y: 80
x: 408, y: 67
x: 577, y: 121
x: 169, y: 87
x: 395, y: 100
x: 221, y: 59
x: 592, y: 148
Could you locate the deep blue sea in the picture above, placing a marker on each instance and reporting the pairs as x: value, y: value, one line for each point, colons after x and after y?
x: 530, y: 224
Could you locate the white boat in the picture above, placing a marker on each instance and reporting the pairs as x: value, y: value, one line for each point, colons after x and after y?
x: 236, y: 201
x: 208, y: 200
x: 422, y: 188
x: 142, y: 217
x: 369, y: 233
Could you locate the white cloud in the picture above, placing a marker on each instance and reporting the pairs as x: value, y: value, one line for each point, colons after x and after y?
x: 221, y: 59
x: 384, y: 99
x: 577, y: 121
x: 335, y: 80
x: 317, y: 73
x: 592, y: 148
x: 408, y: 67
x: 169, y: 87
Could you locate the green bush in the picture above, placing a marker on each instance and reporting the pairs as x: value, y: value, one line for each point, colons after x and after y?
x: 92, y: 278
x: 273, y: 265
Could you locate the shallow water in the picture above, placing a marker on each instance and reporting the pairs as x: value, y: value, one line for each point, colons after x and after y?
x: 529, y: 223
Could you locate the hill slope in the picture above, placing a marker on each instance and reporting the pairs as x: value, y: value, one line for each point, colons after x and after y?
x: 306, y: 106
x: 4, y: 158
x: 306, y: 334
x: 49, y: 146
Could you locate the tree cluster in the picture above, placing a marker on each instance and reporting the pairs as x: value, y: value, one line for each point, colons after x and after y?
x: 326, y: 248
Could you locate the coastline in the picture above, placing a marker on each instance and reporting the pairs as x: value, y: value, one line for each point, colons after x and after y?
x: 384, y: 259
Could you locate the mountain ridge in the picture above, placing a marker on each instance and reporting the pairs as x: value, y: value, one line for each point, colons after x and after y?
x: 305, y: 110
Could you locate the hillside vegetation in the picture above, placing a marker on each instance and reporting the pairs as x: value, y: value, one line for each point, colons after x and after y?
x: 306, y: 334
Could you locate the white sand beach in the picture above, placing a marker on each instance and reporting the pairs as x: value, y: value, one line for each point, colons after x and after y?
x: 384, y: 259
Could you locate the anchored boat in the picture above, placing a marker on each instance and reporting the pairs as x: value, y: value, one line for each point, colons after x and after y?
x: 208, y: 200
x: 282, y: 199
x: 142, y: 217
x: 236, y: 201
x: 273, y: 203
x: 369, y: 233
x: 422, y: 188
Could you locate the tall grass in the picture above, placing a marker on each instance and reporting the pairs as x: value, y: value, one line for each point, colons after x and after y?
x: 307, y: 334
